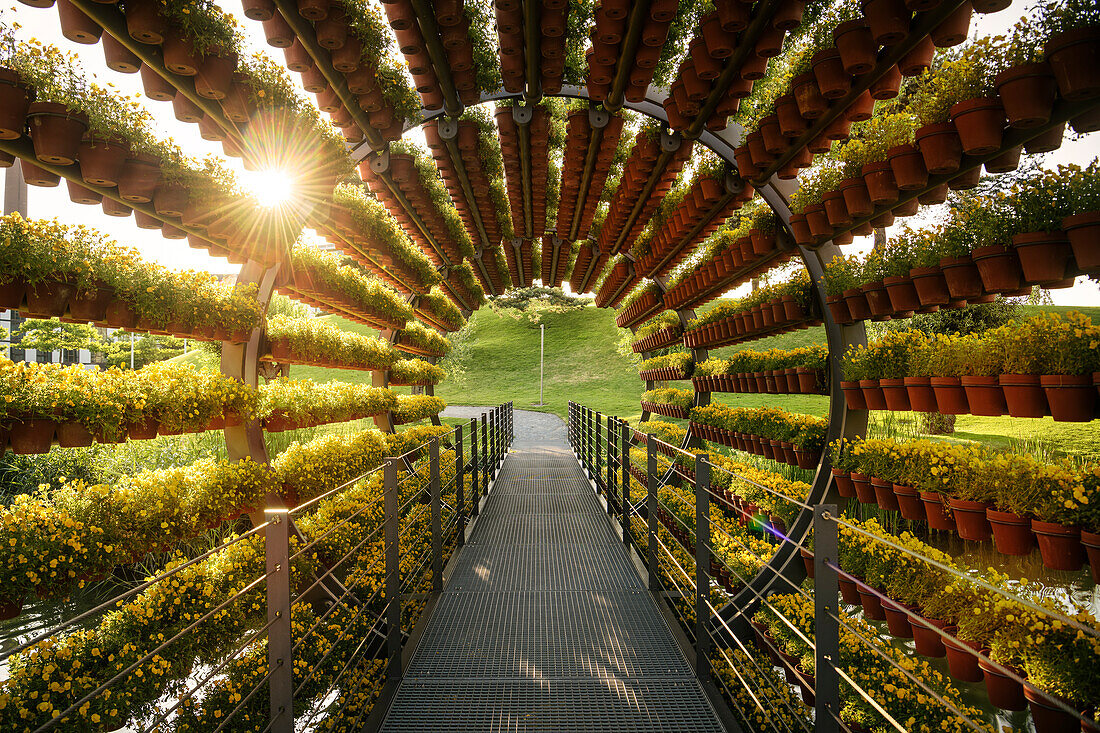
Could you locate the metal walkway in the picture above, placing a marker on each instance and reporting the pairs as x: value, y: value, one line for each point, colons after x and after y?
x: 544, y: 624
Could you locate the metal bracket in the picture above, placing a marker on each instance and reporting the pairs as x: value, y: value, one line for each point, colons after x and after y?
x: 598, y: 118
x: 522, y: 115
x: 381, y: 163
x: 671, y: 141
x: 733, y: 183
x: 448, y: 129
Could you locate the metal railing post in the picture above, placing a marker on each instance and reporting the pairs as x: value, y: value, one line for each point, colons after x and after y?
x: 393, y: 569
x: 485, y: 453
x: 492, y: 445
x: 624, y: 457
x: 826, y: 626
x: 651, y: 510
x: 460, y: 485
x: 279, y: 638
x: 702, y: 566
x: 475, y: 492
x: 609, y: 483
x: 437, y: 514
x: 596, y: 449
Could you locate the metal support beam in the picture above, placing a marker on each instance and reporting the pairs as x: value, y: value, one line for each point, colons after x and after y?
x: 670, y: 143
x: 279, y: 636
x: 702, y: 567
x: 380, y: 164
x: 522, y: 117
x: 429, y: 29
x: 448, y: 132
x: 532, y: 11
x: 826, y: 625
x: 598, y: 120
x: 639, y: 14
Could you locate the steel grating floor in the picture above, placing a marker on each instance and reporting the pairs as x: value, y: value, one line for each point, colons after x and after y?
x: 544, y: 625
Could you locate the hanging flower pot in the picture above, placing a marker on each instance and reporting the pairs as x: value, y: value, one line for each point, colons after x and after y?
x: 1074, y: 57
x: 73, y: 434
x: 963, y: 279
x: 884, y: 494
x: 936, y: 511
x: 139, y: 179
x: 897, y: 620
x: 857, y: 199
x: 931, y: 286
x: 856, y: 46
x: 907, y: 164
x: 1071, y: 397
x: 838, y: 308
x: 896, y: 395
x: 1004, y: 691
x: 1024, y: 397
x: 902, y: 294
x: 980, y: 124
x: 1059, y: 545
x: 48, y: 299
x: 941, y: 148
x: 818, y: 221
x: 811, y: 104
x: 1091, y: 543
x: 1083, y: 232
x: 984, y: 396
x: 853, y: 395
x: 91, y: 306
x: 872, y: 604
x: 857, y: 304
x: 999, y: 268
x: 828, y: 71
x: 31, y: 436
x: 1044, y: 256
x: 926, y: 638
x: 950, y: 396
x: 962, y: 658
x: 1047, y: 716
x: 909, y: 503
x: 918, y: 59
x: 970, y: 519
x: 215, y: 75
x: 1012, y: 533
x: 849, y: 591
x: 881, y: 185
x: 1027, y: 92
x: 144, y: 22
x: 55, y: 132
x: 865, y: 492
x: 843, y: 482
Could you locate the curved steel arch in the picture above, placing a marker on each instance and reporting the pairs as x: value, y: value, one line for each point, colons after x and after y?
x: 785, y: 567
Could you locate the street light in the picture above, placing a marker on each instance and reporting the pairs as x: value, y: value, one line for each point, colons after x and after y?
x: 542, y: 359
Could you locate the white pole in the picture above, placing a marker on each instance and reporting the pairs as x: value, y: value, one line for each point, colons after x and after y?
x: 542, y: 353
x: 131, y: 349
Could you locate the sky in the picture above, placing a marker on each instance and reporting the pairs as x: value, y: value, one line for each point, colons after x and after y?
x: 51, y: 202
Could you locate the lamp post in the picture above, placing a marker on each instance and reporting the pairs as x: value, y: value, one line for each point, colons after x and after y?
x: 542, y: 359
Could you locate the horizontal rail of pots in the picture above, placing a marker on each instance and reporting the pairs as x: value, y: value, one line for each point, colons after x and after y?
x: 626, y: 44
x: 60, y: 299
x: 408, y: 383
x: 35, y: 436
x: 439, y: 51
x: 417, y: 350
x: 662, y: 447
x: 780, y: 315
x: 717, y: 74
x: 526, y: 151
x: 590, y: 262
x: 616, y: 284
x: 589, y: 152
x: 405, y: 198
x: 487, y: 271
x: 532, y: 40
x: 1061, y: 547
x: 555, y: 260
x: 434, y: 321
x: 844, y: 82
x: 465, y: 179
x: 737, y: 264
x: 937, y: 163
x: 1066, y: 398
x: 666, y: 410
x: 409, y: 420
x: 281, y: 352
x: 455, y: 287
x: 1048, y: 259
x: 279, y: 422
x: 343, y: 232
x: 342, y: 306
x: 776, y: 450
x: 792, y: 380
x: 707, y: 204
x: 326, y: 53
x: 663, y: 374
x: 667, y: 336
x: 520, y: 258
x: 646, y: 305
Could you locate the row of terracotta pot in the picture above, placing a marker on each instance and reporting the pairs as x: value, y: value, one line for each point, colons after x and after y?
x: 758, y: 321
x: 279, y: 422
x: 34, y: 436
x: 616, y: 285
x: 281, y: 352
x: 637, y: 171
x: 468, y: 147
x: 662, y: 374
x: 553, y: 272
x: 337, y: 224
x: 523, y: 257
x: 1061, y: 547
x: 666, y: 410
x: 337, y: 302
x: 729, y: 269
x: 102, y: 307
x: 792, y: 380
x: 1065, y: 397
x: 538, y: 153
x: 579, y: 138
x: 776, y: 450
x: 644, y: 305
x: 661, y: 339
x: 605, y: 57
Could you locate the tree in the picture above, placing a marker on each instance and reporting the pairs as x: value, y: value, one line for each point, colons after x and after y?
x: 147, y: 349
x: 531, y: 304
x: 53, y: 335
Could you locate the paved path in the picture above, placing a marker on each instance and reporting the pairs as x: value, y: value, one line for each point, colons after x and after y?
x: 544, y: 624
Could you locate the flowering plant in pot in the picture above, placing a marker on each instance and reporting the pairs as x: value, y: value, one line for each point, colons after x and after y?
x: 1071, y: 357
x: 1082, y: 222
x: 843, y: 275
x: 1073, y: 26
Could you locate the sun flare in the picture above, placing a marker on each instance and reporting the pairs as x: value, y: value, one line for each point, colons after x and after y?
x: 271, y: 187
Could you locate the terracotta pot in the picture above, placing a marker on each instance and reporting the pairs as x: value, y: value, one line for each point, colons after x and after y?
x: 872, y: 394
x: 32, y: 436
x: 1071, y: 397
x: 954, y: 28
x: 962, y: 276
x: 843, y: 481
x: 215, y: 76
x: 909, y: 503
x: 984, y: 396
x: 999, y: 269
x: 853, y: 395
x: 872, y: 604
x: 888, y: 19
x: 970, y: 519
x: 865, y: 492
x: 884, y: 494
x: 90, y: 307
x: 1091, y: 543
x: 1004, y: 692
x: 1074, y: 57
x: 828, y: 71
x: 55, y: 132
x: 48, y: 299
x: 935, y: 511
x: 927, y: 641
x: 1027, y: 92
x: 1012, y: 533
x: 1083, y: 231
x: 881, y: 186
x: 1047, y: 716
x: 950, y: 396
x: 849, y: 591
x: 980, y: 124
x: 962, y: 658
x: 1024, y: 397
x: 139, y: 180
x: 1059, y: 545
x: 856, y: 47
x: 897, y: 620
x: 907, y: 163
x: 941, y: 148
x: 903, y: 295
x: 1044, y: 256
x: 15, y: 99
x: 857, y: 304
x: 931, y: 286
x: 838, y: 308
